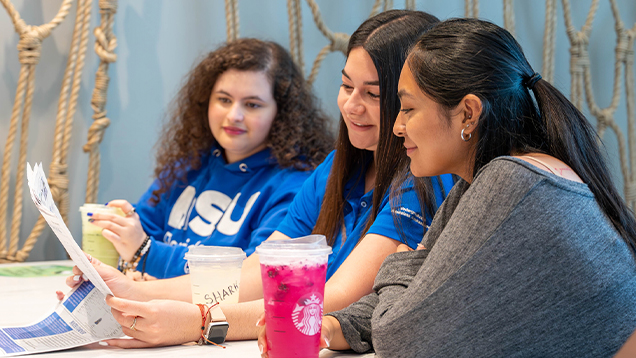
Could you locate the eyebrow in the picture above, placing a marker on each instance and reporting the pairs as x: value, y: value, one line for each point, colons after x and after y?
x: 366, y: 83
x: 246, y: 98
x: 402, y: 93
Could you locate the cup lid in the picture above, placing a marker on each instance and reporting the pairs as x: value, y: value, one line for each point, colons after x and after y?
x: 303, y: 246
x: 214, y: 253
x: 100, y: 208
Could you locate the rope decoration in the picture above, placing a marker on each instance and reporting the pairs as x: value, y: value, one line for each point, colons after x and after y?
x: 231, y: 20
x: 105, y: 44
x: 29, y: 47
x: 549, y: 40
x: 471, y: 8
x: 296, y: 33
x: 509, y: 17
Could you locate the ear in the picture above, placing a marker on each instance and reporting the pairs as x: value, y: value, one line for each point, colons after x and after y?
x: 471, y: 108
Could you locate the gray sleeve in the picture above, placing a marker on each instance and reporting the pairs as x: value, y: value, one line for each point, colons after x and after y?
x: 395, y: 275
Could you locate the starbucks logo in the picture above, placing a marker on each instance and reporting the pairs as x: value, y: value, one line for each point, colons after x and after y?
x: 307, y: 315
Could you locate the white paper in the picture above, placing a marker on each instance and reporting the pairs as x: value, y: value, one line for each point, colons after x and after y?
x: 41, y: 195
x: 82, y: 317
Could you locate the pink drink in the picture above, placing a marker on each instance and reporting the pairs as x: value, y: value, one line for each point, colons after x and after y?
x: 293, y: 307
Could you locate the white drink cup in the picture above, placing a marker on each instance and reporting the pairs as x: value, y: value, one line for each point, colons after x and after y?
x: 215, y: 273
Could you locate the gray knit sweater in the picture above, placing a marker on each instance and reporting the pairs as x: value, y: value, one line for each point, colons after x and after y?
x: 521, y: 263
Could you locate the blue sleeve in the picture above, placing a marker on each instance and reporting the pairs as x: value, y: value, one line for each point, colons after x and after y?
x: 153, y: 222
x: 402, y: 220
x: 303, y: 211
x: 152, y: 217
x: 277, y: 205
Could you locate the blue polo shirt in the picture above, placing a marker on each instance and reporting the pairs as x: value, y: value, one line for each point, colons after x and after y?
x: 411, y: 224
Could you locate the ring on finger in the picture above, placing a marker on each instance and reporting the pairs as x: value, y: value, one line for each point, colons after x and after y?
x: 131, y: 212
x: 132, y: 326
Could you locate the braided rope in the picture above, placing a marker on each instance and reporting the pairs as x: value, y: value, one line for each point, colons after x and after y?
x: 409, y: 4
x: 105, y: 44
x: 29, y: 48
x: 471, y: 8
x: 231, y: 20
x: 509, y: 16
x: 295, y: 33
x: 549, y: 40
x: 377, y: 5
x: 338, y: 41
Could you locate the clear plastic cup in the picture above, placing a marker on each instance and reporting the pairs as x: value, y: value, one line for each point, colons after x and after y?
x: 215, y: 273
x: 93, y: 242
x: 294, y: 273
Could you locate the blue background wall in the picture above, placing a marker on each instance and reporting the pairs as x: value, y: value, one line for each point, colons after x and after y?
x: 160, y: 40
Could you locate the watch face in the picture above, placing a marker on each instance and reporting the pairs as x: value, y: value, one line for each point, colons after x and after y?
x: 218, y: 332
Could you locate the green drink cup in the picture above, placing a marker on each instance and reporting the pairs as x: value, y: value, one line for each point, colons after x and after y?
x: 93, y: 242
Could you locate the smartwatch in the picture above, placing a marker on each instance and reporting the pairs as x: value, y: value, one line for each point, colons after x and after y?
x: 217, y: 330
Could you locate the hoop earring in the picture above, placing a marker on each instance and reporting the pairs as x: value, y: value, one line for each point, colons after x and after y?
x: 470, y: 135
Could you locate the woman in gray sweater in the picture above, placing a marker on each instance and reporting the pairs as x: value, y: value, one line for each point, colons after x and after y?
x: 532, y: 253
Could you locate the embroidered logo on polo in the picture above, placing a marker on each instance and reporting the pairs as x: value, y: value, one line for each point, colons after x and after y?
x: 307, y: 315
x: 214, y: 212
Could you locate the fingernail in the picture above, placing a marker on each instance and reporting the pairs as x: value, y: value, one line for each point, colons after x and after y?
x: 260, y: 348
x: 85, y: 277
x: 257, y: 322
x: 89, y: 214
x: 327, y: 341
x: 102, y: 343
x: 91, y: 220
x: 76, y: 278
x: 106, y: 203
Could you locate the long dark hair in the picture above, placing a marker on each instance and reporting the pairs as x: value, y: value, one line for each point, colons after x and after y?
x: 386, y: 37
x: 300, y: 136
x: 469, y: 56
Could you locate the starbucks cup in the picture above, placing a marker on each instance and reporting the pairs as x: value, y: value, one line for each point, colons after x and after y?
x: 294, y: 273
x: 93, y: 242
x: 215, y: 273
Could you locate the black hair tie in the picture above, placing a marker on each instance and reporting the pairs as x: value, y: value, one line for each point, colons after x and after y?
x: 530, y: 82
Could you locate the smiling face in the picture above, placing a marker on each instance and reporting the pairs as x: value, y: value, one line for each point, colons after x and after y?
x: 433, y: 141
x: 359, y: 100
x: 241, y: 111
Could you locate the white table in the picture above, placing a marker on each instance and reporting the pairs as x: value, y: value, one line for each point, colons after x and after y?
x: 28, y: 300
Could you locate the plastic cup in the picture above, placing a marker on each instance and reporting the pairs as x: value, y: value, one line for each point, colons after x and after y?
x: 294, y: 273
x: 93, y: 242
x: 215, y: 273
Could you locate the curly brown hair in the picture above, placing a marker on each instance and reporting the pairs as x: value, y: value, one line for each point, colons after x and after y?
x: 300, y: 136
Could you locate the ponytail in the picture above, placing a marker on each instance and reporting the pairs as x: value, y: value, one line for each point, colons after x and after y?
x: 573, y: 140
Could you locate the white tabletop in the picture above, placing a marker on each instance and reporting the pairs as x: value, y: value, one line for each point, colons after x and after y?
x: 26, y: 300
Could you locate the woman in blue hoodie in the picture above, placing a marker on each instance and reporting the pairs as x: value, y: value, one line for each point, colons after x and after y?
x: 244, y: 134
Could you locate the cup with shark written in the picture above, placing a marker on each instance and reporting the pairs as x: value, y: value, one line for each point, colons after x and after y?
x: 215, y: 273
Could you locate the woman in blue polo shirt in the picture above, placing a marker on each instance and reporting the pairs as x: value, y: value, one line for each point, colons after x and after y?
x: 244, y: 135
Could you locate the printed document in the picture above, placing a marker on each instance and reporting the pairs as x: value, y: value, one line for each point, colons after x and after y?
x: 82, y: 317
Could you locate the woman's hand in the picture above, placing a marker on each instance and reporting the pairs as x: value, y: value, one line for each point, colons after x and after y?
x: 326, y: 334
x: 403, y: 247
x: 125, y: 232
x: 156, y: 322
x: 118, y: 283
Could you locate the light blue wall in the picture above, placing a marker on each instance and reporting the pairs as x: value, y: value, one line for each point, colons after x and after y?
x: 159, y: 41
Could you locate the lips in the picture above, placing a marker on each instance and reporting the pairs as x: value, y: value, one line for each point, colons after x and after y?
x: 359, y: 126
x: 234, y: 130
x: 409, y: 148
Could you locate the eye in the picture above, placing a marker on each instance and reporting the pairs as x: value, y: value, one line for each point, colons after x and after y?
x: 346, y: 87
x: 405, y: 110
x: 253, y: 105
x: 373, y: 95
x: 224, y: 100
